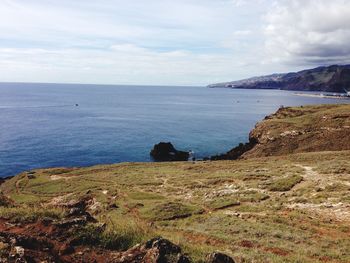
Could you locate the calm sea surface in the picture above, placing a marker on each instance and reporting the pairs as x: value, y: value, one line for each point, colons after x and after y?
x: 41, y: 126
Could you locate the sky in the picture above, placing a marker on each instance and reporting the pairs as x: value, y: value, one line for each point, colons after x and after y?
x: 167, y: 42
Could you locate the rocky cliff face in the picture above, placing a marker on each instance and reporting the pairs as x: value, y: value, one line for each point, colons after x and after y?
x: 297, y: 130
x: 334, y: 78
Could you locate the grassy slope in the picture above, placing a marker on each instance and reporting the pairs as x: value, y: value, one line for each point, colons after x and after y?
x: 303, y: 129
x: 292, y: 208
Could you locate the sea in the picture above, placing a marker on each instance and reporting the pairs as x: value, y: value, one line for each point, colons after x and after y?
x: 74, y: 125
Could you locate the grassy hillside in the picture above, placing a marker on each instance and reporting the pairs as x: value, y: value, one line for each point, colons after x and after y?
x: 296, y: 130
x: 303, y: 129
x: 293, y: 208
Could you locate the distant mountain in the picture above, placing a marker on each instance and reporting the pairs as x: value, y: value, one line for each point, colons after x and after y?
x: 334, y: 78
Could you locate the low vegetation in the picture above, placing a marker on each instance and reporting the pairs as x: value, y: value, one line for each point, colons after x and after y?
x: 249, y: 209
x: 302, y: 129
x: 119, y: 237
x: 29, y: 214
x: 286, y: 183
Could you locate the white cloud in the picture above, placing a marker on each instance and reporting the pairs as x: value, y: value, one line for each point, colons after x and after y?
x: 242, y: 32
x: 238, y: 39
x: 239, y: 3
x: 166, y: 41
x: 121, y: 64
x: 309, y: 32
x: 117, y: 41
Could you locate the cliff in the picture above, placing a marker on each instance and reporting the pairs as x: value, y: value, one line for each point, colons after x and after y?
x: 297, y: 130
x: 334, y: 78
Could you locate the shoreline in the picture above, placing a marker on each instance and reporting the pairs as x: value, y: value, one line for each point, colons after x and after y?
x: 325, y: 96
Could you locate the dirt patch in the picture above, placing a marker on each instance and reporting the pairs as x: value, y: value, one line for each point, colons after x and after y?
x: 226, y: 190
x: 56, y: 177
x: 59, y: 200
x: 247, y: 244
x: 310, y: 174
x: 277, y: 251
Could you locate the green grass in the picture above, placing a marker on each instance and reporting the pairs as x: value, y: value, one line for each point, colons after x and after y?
x: 221, y: 203
x: 285, y: 183
x: 28, y: 214
x: 120, y: 238
x: 144, y: 196
x: 171, y: 211
x: 205, y: 206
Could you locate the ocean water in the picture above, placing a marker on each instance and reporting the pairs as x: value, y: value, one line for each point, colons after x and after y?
x: 41, y: 126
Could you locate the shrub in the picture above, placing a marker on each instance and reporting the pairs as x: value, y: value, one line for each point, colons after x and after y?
x: 119, y: 237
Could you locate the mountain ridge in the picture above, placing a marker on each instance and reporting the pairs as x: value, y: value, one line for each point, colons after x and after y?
x: 334, y: 78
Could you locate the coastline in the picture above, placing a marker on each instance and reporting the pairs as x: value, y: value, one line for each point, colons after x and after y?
x: 325, y: 96
x: 65, y: 212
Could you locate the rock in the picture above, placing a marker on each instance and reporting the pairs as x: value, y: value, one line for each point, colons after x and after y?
x: 101, y: 227
x: 113, y: 206
x: 82, y: 203
x: 236, y: 152
x: 183, y: 259
x: 69, y: 222
x: 77, y: 213
x: 66, y: 249
x: 17, y: 254
x: 46, y: 221
x: 165, y: 151
x: 156, y: 250
x: 217, y: 257
x: 163, y: 245
x: 3, y: 245
x: 31, y: 175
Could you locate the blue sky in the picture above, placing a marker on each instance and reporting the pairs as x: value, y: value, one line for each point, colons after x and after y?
x: 163, y: 42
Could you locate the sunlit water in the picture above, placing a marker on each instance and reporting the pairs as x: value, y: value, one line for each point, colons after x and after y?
x: 41, y: 126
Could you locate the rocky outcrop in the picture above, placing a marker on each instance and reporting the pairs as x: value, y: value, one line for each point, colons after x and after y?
x: 236, y: 152
x: 46, y: 242
x: 334, y: 78
x: 296, y: 130
x: 166, y: 152
x: 217, y: 257
x: 77, y: 238
x: 157, y: 250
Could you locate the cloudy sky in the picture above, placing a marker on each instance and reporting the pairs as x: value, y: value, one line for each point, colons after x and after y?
x: 167, y: 42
